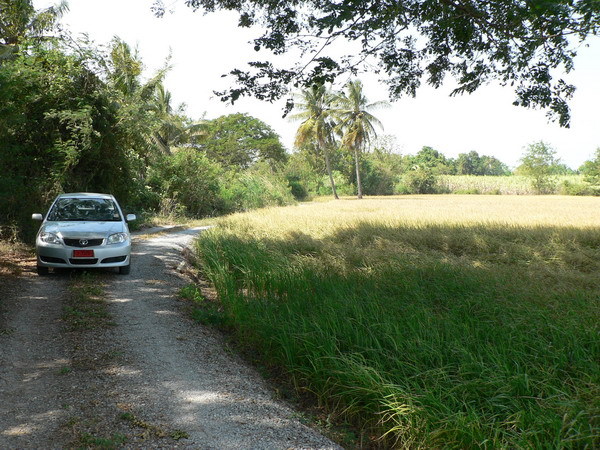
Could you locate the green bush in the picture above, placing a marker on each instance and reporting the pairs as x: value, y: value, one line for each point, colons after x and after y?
x: 417, y: 181
x: 570, y: 188
x: 342, y: 185
x: 298, y: 189
x: 377, y: 179
x: 255, y: 189
x: 188, y: 183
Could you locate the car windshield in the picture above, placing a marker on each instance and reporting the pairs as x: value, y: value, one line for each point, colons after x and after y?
x: 84, y: 209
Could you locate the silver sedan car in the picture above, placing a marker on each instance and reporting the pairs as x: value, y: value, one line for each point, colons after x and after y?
x: 83, y: 230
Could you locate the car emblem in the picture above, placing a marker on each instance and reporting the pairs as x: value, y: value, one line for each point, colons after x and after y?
x: 83, y: 242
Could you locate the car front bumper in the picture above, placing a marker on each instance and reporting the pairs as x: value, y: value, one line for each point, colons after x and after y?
x: 52, y: 255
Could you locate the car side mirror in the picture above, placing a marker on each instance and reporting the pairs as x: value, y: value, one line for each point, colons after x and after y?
x: 37, y: 217
x: 130, y: 217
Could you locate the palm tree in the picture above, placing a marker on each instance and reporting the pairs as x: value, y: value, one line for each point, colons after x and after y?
x: 172, y: 127
x: 317, y: 126
x: 356, y: 123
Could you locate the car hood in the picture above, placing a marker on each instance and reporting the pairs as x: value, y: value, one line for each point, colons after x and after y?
x: 87, y: 230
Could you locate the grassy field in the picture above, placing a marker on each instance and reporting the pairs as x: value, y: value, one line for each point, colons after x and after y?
x: 426, y: 321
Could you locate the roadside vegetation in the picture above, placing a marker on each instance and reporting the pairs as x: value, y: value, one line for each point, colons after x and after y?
x: 425, y: 321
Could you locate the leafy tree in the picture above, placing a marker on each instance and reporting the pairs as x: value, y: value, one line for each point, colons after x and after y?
x: 538, y: 162
x: 520, y: 43
x: 382, y: 166
x: 591, y: 169
x: 188, y: 182
x: 20, y: 23
x: 492, y: 166
x: 356, y: 123
x: 473, y: 164
x: 315, y: 105
x: 59, y: 132
x: 433, y: 160
x: 237, y: 141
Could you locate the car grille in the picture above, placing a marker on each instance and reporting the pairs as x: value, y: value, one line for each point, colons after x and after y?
x: 83, y: 261
x: 78, y: 242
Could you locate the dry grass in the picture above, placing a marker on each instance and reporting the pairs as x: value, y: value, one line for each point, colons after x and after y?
x: 528, y: 211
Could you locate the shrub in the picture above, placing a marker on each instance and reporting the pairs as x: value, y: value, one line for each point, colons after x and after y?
x: 571, y: 188
x: 188, y: 183
x: 417, y: 181
x: 299, y: 191
x: 342, y: 185
x: 377, y: 179
x: 252, y: 190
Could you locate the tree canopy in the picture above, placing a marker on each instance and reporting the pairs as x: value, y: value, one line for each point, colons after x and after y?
x: 523, y: 44
x: 239, y: 140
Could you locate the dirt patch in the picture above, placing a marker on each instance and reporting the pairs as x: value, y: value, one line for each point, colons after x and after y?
x: 15, y: 260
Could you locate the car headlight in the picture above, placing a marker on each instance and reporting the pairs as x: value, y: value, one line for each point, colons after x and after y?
x: 50, y: 238
x: 117, y: 238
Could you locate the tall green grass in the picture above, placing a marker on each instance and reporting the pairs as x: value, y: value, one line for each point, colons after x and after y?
x: 423, y: 333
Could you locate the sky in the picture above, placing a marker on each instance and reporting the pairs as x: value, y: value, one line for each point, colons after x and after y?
x: 204, y: 47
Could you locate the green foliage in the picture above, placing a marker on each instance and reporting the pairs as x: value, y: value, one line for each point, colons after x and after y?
x: 570, y: 188
x: 298, y: 189
x: 356, y: 123
x: 255, y: 189
x: 419, y: 180
x: 239, y: 141
x: 591, y: 169
x: 473, y: 164
x: 59, y: 132
x: 432, y: 160
x: 539, y: 162
x: 21, y: 26
x: 191, y: 292
x: 189, y: 183
x: 518, y: 43
x: 343, y: 185
x: 75, y: 118
x: 378, y: 177
x: 316, y: 131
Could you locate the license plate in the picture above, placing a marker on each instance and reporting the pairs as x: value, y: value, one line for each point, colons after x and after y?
x: 83, y: 253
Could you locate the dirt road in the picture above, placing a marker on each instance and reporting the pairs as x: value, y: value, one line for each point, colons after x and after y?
x: 148, y: 377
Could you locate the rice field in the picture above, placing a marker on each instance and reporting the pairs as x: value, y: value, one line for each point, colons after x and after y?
x: 425, y: 321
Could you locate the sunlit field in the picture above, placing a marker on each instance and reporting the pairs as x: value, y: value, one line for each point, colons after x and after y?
x: 426, y: 321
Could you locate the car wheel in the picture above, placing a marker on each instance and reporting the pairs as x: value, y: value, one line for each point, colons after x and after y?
x: 42, y: 270
x: 124, y: 270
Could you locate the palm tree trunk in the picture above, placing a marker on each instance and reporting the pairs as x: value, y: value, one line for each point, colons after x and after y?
x: 358, y: 182
x: 328, y: 166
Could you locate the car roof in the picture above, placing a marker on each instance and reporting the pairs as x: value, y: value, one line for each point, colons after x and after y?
x: 84, y: 195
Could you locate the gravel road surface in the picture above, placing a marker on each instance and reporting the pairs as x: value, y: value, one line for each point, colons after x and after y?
x: 153, y: 379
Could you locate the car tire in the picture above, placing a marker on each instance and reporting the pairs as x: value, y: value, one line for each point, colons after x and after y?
x: 124, y: 270
x: 42, y: 270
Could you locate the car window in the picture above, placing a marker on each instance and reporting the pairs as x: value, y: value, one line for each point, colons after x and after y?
x: 84, y: 209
